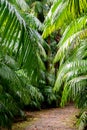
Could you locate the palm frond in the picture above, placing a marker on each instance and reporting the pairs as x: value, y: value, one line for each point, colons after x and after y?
x: 70, y: 43
x: 18, y: 39
x: 15, y: 94
x: 33, y: 22
x: 75, y: 26
x: 62, y: 11
x: 83, y: 120
x: 49, y: 95
x: 50, y: 25
x: 77, y: 52
x: 12, y: 83
x: 74, y: 89
x: 69, y: 70
x: 36, y: 97
x: 81, y: 51
x: 8, y: 101
x: 6, y: 117
x: 23, y: 5
x: 9, y: 61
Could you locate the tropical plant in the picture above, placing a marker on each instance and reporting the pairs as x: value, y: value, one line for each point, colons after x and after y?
x: 27, y: 74
x: 21, y: 54
x: 72, y: 51
x: 83, y: 121
x: 63, y: 12
x: 39, y: 8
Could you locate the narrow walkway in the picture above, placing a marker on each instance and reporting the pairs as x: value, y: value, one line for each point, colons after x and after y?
x: 54, y: 119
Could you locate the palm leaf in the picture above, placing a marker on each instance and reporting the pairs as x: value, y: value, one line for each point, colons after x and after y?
x: 83, y: 119
x: 69, y: 70
x: 73, y: 89
x: 50, y: 25
x: 23, y: 5
x: 12, y: 83
x: 75, y: 26
x: 68, y: 39
x: 6, y: 117
x: 62, y: 11
x: 33, y: 22
x: 18, y: 39
x: 70, y: 42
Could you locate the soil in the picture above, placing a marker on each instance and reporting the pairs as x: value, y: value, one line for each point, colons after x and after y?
x: 50, y: 119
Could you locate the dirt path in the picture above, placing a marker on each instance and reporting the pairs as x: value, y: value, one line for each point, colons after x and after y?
x: 54, y: 119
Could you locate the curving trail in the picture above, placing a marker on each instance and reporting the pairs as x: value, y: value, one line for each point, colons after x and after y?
x: 54, y: 119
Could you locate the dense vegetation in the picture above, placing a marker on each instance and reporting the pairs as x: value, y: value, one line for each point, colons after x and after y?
x: 42, y: 56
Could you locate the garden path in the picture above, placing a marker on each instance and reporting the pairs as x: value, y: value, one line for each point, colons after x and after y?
x: 54, y: 119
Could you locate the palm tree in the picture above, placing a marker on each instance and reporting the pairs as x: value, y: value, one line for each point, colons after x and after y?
x: 71, y: 54
x: 21, y: 64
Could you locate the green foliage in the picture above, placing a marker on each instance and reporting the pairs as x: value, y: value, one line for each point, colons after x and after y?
x: 83, y: 121
x: 5, y: 117
x: 45, y: 86
x: 71, y: 75
x: 35, y: 96
x: 62, y: 13
x: 50, y: 97
x: 69, y: 17
x: 21, y: 48
x: 18, y: 39
x: 15, y: 93
x: 33, y: 22
x: 22, y: 5
x: 71, y: 37
x: 24, y: 81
